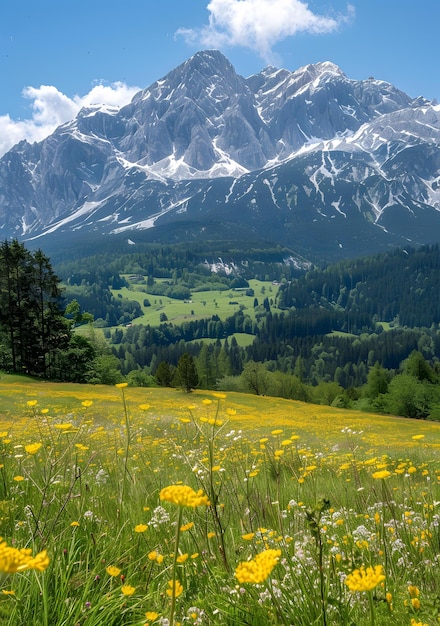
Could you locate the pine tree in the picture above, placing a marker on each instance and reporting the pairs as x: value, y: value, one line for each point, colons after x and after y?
x: 186, y: 374
x: 32, y: 325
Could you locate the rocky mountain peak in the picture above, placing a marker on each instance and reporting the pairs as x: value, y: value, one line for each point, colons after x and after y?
x: 291, y: 156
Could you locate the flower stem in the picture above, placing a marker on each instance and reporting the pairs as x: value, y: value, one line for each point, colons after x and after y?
x: 176, y: 553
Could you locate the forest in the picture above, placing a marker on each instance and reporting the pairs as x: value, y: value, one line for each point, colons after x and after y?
x: 359, y: 333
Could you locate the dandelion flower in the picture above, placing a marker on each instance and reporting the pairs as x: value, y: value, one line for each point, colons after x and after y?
x: 74, y: 524
x: 121, y: 385
x: 365, y: 579
x: 140, y: 528
x: 186, y: 527
x: 127, y: 590
x: 32, y: 448
x: 144, y: 407
x: 381, y: 474
x: 32, y: 403
x: 113, y: 571
x: 87, y: 403
x: 151, y: 615
x: 18, y: 479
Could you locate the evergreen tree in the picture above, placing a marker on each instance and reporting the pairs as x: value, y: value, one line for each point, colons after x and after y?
x: 33, y: 329
x: 163, y: 374
x: 186, y: 374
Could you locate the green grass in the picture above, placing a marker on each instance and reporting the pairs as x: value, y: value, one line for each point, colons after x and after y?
x: 331, y: 490
x: 203, y: 304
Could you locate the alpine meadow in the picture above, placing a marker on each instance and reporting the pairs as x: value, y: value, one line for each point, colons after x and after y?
x: 220, y: 353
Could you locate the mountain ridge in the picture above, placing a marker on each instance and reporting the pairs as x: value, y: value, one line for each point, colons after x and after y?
x: 297, y: 157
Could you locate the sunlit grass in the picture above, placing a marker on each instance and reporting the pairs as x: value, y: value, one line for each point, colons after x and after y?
x: 289, y: 500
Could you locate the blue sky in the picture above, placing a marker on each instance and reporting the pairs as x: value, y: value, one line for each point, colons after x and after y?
x: 56, y: 56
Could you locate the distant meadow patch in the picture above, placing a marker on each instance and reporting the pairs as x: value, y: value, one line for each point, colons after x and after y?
x: 128, y: 506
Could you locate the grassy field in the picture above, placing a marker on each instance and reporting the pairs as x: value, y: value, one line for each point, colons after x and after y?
x: 201, y: 305
x: 159, y: 507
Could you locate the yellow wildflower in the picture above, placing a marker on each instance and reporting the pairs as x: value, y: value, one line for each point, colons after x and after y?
x: 32, y: 448
x: 365, y: 579
x: 18, y: 560
x: 151, y: 615
x: 121, y: 385
x: 18, y: 478
x: 186, y: 527
x: 74, y: 524
x: 184, y: 496
x: 113, y: 571
x: 182, y: 558
x: 175, y: 588
x: 415, y: 602
x: 87, y: 403
x: 413, y: 591
x: 381, y: 474
x: 144, y: 407
x: 32, y: 403
x: 259, y: 568
x: 140, y: 528
x: 248, y: 536
x: 210, y: 535
x: 127, y: 590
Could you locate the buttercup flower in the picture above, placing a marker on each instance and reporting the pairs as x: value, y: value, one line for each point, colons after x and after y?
x: 365, y: 579
x: 175, y: 588
x: 127, y: 590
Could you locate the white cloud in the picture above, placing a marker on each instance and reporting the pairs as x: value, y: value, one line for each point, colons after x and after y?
x: 260, y: 24
x: 50, y: 108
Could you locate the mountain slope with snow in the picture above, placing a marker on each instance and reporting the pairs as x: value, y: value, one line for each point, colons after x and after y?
x: 327, y: 165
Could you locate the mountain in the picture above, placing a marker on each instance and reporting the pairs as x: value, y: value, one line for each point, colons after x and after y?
x: 328, y: 166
